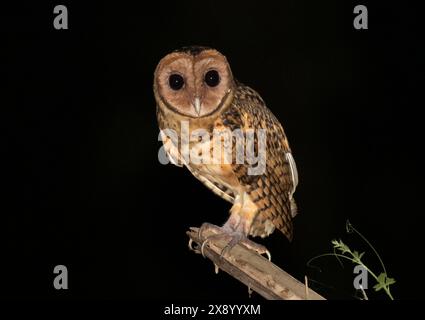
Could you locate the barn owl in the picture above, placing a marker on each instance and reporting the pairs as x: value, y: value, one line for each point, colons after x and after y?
x: 194, y: 87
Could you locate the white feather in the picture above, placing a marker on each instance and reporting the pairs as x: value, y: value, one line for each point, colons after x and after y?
x: 294, y: 171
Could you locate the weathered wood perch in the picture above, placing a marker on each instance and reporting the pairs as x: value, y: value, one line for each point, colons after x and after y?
x: 255, y: 271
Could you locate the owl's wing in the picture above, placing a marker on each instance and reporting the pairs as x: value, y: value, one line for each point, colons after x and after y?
x: 173, y: 153
x: 272, y: 189
x: 215, y: 186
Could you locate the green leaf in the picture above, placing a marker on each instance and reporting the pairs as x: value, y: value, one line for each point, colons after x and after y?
x: 382, y: 276
x: 378, y: 286
x: 335, y: 243
x: 390, y: 281
x: 341, y: 246
x: 383, y: 282
x: 357, y: 256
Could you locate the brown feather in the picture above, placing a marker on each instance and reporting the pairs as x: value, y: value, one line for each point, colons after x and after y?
x: 270, y: 191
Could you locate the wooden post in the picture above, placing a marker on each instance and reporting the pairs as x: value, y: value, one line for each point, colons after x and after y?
x: 255, y: 271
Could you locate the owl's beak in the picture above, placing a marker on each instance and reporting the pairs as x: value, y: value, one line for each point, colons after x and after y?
x: 197, y: 105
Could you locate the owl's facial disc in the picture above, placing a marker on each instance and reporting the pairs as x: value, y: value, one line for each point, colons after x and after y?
x: 194, y: 86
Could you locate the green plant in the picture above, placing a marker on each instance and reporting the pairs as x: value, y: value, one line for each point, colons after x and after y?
x: 341, y: 250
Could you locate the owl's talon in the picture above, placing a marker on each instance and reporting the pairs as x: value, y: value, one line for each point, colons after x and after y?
x: 191, y: 247
x: 213, y: 237
x: 258, y: 248
x: 269, y: 256
x: 236, y: 238
x: 204, y: 243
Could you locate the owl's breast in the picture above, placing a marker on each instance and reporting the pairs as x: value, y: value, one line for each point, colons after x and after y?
x: 212, y: 158
x: 210, y: 161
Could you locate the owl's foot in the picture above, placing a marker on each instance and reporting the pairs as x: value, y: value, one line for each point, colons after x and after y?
x: 209, y: 226
x: 236, y: 237
x: 201, y: 230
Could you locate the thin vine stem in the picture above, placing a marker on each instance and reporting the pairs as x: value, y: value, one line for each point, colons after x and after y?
x: 369, y: 244
x: 386, y: 288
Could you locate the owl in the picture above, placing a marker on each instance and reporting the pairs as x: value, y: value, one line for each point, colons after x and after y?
x: 195, y: 90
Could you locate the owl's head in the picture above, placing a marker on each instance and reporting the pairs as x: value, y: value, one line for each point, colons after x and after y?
x: 193, y: 81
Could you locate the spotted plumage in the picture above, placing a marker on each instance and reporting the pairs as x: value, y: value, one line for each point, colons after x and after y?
x: 272, y: 192
x: 207, y: 97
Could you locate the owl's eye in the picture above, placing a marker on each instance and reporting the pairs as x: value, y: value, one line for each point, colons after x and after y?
x: 176, y: 81
x: 212, y: 78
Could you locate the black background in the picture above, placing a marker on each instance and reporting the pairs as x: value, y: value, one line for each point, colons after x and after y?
x: 82, y: 185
